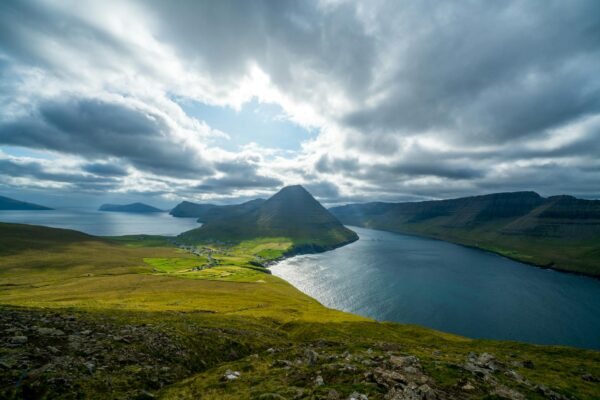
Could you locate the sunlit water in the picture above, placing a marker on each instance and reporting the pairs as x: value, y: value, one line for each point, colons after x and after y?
x: 103, y: 223
x: 451, y: 288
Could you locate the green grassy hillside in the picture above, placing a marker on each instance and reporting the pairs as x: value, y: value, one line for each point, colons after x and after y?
x: 291, y: 213
x: 559, y: 232
x: 130, y: 318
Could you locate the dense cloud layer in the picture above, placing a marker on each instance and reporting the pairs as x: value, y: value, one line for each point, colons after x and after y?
x: 411, y: 99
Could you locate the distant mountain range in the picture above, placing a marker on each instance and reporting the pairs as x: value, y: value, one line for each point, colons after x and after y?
x: 560, y: 232
x: 206, y: 212
x: 291, y: 213
x: 6, y: 203
x: 131, y: 208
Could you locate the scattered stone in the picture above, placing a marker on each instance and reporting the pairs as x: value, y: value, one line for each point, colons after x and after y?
x: 507, y: 393
x: 589, y: 378
x: 50, y: 332
x: 411, y: 370
x: 550, y: 394
x: 231, y: 375
x: 18, y: 340
x: 53, y: 350
x: 319, y: 381
x: 333, y: 395
x: 401, y: 362
x: 90, y: 366
x: 468, y: 387
x: 388, y: 379
x: 427, y: 393
x: 516, y: 377
x: 358, y: 396
x: 311, y: 357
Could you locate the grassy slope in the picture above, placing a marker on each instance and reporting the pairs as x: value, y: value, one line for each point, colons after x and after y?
x: 292, y: 213
x: 198, y: 324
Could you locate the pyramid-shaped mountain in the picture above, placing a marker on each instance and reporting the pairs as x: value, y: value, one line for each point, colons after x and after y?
x: 291, y: 213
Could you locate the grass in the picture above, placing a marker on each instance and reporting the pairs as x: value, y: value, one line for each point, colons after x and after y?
x: 226, y: 317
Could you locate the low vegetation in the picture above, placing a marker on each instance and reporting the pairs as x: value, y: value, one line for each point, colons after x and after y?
x: 82, y: 316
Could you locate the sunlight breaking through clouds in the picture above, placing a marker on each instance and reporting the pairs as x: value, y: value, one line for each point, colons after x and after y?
x: 378, y: 100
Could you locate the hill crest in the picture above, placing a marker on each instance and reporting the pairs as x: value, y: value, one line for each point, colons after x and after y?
x: 291, y: 213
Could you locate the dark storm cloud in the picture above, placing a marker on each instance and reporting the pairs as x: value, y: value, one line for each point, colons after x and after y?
x: 96, y: 129
x: 487, y: 72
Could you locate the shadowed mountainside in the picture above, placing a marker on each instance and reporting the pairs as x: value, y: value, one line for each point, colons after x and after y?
x: 131, y: 208
x: 291, y: 213
x: 207, y: 212
x: 560, y: 232
x: 6, y: 203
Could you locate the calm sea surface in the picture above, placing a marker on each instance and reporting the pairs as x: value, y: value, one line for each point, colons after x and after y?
x: 103, y: 223
x: 440, y: 285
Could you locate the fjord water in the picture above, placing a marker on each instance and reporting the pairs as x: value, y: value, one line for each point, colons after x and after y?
x: 451, y: 288
x: 103, y: 223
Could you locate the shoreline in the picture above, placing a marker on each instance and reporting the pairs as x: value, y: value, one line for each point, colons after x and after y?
x: 474, y: 247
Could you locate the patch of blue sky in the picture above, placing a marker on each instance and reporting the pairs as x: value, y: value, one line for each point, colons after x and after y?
x: 260, y: 123
x: 16, y: 151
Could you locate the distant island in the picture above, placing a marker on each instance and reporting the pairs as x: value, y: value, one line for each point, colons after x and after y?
x: 6, y: 203
x: 292, y: 213
x: 559, y: 232
x: 130, y: 208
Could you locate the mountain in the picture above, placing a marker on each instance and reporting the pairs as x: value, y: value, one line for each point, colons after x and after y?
x: 560, y: 232
x: 186, y: 209
x: 6, y: 203
x: 131, y: 208
x: 291, y: 213
x: 206, y: 212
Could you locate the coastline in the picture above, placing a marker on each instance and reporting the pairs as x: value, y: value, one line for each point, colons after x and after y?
x: 475, y: 247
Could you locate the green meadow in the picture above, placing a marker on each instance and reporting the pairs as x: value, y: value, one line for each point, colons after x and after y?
x: 131, y: 317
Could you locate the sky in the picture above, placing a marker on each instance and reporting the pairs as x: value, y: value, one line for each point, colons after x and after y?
x: 222, y: 101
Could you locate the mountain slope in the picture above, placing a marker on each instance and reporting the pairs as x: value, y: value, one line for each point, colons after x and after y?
x: 291, y: 213
x: 187, y: 209
x: 132, y: 208
x: 6, y: 203
x: 559, y: 232
x: 206, y: 212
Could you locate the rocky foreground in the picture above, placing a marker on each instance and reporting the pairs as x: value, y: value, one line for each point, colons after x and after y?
x: 50, y: 354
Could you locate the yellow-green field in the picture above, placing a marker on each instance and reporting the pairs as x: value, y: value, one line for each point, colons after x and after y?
x: 158, y: 328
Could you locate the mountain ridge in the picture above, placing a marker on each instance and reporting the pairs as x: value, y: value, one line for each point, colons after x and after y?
x: 292, y: 213
x: 559, y: 232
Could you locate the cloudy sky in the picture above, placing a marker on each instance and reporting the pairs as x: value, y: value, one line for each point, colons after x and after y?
x: 224, y: 100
